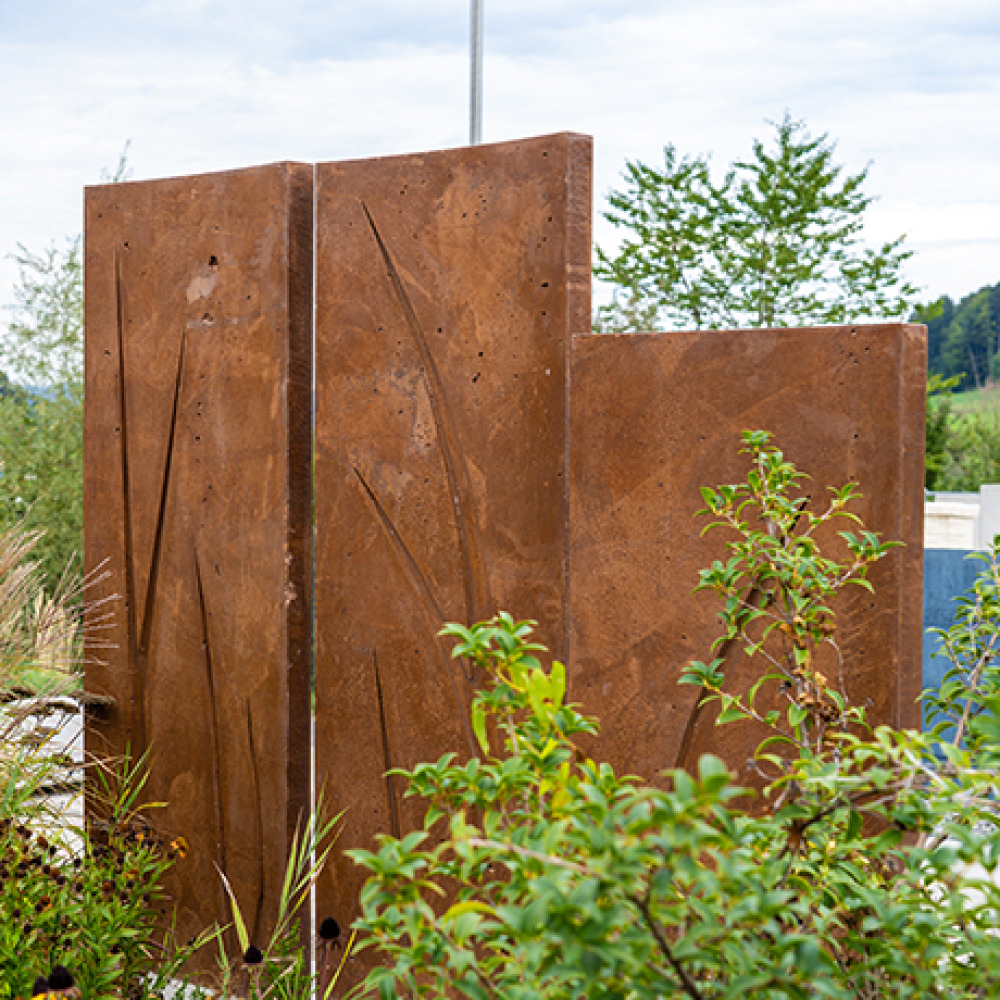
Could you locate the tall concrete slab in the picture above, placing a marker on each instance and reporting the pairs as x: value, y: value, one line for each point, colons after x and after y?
x: 448, y: 287
x: 197, y: 473
x: 657, y: 416
x: 475, y: 449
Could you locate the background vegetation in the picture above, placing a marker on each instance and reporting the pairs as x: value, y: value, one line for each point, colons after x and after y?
x: 41, y: 405
x: 776, y: 239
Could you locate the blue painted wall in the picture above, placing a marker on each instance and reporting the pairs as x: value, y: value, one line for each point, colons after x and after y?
x: 947, y: 574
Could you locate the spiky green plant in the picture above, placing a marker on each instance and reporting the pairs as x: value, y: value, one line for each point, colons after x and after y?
x: 278, y: 969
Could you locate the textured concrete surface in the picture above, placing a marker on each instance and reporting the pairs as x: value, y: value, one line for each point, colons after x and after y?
x: 197, y: 439
x: 475, y: 449
x: 657, y: 416
x: 448, y: 287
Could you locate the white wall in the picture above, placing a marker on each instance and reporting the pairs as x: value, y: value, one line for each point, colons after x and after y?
x: 962, y: 520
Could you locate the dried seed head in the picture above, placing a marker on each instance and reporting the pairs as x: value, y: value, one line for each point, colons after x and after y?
x: 252, y: 956
x: 60, y: 978
x: 329, y: 930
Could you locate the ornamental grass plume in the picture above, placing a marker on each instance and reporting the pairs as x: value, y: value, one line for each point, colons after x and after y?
x: 41, y: 627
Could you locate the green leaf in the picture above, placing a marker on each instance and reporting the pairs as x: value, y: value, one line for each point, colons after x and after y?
x: 238, y: 922
x: 731, y: 713
x: 854, y: 822
x: 713, y: 773
x: 468, y: 906
x: 479, y: 725
x: 558, y: 679
x: 797, y: 715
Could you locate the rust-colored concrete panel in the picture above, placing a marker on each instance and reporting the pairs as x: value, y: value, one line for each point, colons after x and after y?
x: 657, y: 416
x: 448, y: 287
x: 197, y: 471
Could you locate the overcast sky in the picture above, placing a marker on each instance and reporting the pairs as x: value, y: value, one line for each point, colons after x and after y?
x: 911, y: 86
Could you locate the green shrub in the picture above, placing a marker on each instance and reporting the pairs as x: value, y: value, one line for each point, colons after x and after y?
x: 540, y: 873
x: 279, y: 968
x: 973, y: 451
x: 91, y: 903
x: 88, y: 900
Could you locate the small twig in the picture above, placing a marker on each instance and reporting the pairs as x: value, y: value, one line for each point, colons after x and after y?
x: 687, y: 983
x: 973, y: 683
x: 527, y: 852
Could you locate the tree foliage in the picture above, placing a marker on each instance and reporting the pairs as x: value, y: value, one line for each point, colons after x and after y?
x: 938, y: 432
x: 972, y: 451
x: 43, y: 347
x: 41, y: 398
x: 776, y: 241
x: 964, y: 340
x: 41, y: 411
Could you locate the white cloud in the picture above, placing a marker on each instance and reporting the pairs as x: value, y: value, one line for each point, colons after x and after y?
x: 912, y: 86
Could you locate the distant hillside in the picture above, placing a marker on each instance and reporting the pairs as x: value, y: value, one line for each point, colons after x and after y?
x: 964, y: 339
x: 977, y: 401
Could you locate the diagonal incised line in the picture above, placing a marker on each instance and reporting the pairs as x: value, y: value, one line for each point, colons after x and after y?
x: 472, y: 562
x: 220, y: 830
x: 429, y: 601
x: 146, y: 631
x: 390, y: 791
x: 416, y: 573
x: 687, y: 737
x: 138, y: 727
x: 258, y: 825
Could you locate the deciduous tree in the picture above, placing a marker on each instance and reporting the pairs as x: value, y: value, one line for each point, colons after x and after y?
x: 41, y: 418
x: 776, y: 241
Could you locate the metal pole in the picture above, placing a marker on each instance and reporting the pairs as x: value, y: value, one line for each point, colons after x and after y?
x: 476, y: 74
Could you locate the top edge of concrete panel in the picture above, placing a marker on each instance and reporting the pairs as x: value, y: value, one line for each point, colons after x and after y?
x: 451, y: 150
x: 578, y: 136
x: 866, y: 325
x: 201, y: 175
